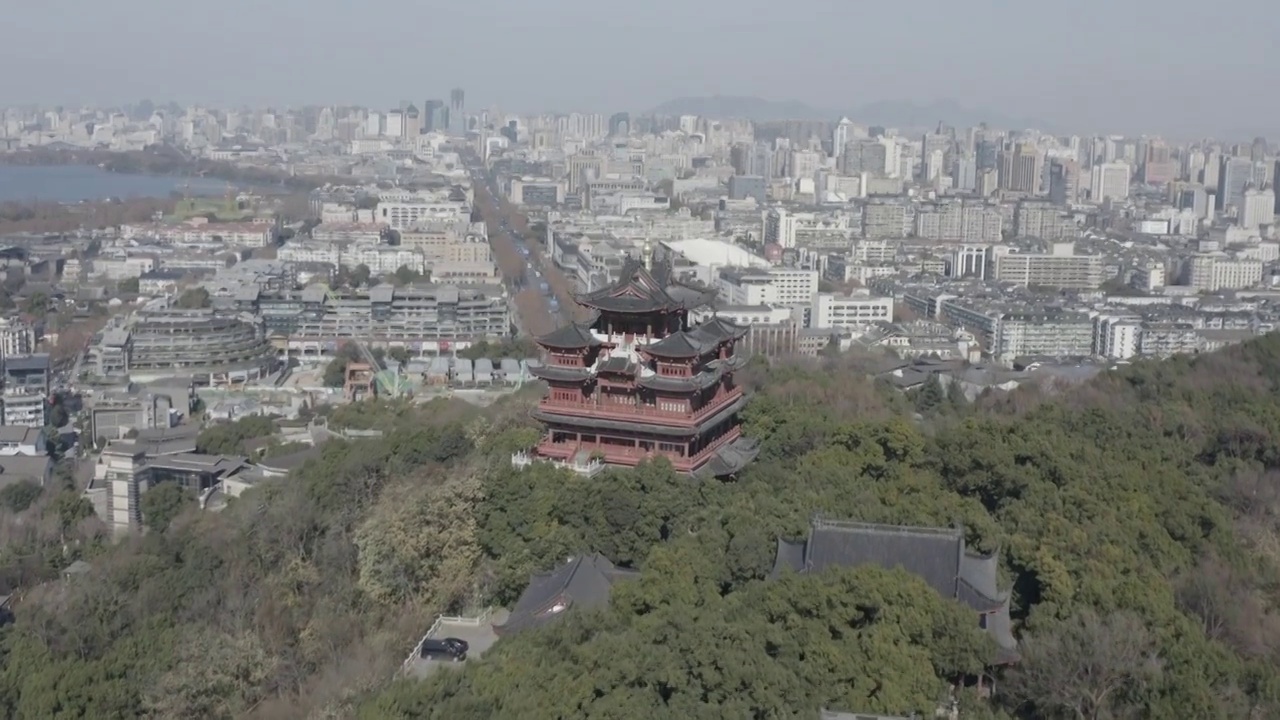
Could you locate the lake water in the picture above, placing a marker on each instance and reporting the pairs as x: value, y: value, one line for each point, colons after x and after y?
x: 73, y: 183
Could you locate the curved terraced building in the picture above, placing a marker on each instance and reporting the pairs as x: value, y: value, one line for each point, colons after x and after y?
x: 213, y: 350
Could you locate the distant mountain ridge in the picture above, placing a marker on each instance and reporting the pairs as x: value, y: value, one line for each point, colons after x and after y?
x: 892, y: 113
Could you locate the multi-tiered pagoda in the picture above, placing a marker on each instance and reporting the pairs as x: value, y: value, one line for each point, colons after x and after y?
x: 636, y: 381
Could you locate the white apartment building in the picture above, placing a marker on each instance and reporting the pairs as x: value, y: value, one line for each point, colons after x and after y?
x: 1149, y: 277
x: 1116, y: 338
x: 1061, y: 268
x: 1210, y: 272
x: 382, y: 260
x: 779, y: 228
x: 25, y: 409
x: 348, y: 232
x: 775, y: 286
x: 1110, y: 181
x: 123, y: 268
x: 1258, y: 209
x: 16, y: 337
x: 969, y: 261
x: 310, y: 252
x: 848, y: 311
x: 402, y: 215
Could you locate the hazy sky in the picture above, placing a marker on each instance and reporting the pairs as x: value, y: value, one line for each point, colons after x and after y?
x: 1089, y: 65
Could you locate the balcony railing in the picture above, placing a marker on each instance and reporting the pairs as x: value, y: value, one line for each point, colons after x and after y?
x: 631, y: 412
x: 589, y: 468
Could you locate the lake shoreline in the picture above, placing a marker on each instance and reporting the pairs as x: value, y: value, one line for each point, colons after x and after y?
x: 165, y: 162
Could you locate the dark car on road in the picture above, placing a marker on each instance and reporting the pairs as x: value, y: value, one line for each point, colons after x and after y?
x: 450, y: 649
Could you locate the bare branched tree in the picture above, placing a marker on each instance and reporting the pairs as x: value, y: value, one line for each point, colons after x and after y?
x: 1087, y: 667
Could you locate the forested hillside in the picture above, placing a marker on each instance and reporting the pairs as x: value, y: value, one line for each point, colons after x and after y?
x: 1137, y: 520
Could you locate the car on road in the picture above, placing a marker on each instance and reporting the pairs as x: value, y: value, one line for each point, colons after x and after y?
x: 449, y: 649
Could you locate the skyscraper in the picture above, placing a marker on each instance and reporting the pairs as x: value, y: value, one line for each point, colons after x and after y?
x: 1234, y: 177
x: 435, y: 116
x: 1020, y: 168
x: 840, y: 136
x: 1064, y: 181
x: 620, y: 124
x: 457, y: 110
x: 1110, y: 181
x: 1275, y: 173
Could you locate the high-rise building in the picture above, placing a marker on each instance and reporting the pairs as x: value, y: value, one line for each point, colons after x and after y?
x: 1064, y: 182
x: 412, y: 122
x: 1258, y: 150
x: 964, y: 174
x: 1194, y: 198
x: 1158, y: 167
x: 1234, y: 177
x: 1275, y: 173
x: 620, y: 124
x: 1110, y: 181
x: 840, y: 136
x: 1258, y: 208
x: 779, y: 228
x: 457, y: 112
x: 395, y: 124
x: 435, y: 116
x: 1020, y: 168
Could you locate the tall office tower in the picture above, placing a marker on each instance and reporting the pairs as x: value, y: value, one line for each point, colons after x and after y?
x: 1158, y: 166
x: 1110, y: 181
x: 841, y: 136
x: 1275, y: 173
x: 1257, y: 209
x: 1258, y: 150
x: 1192, y: 165
x: 762, y: 161
x: 620, y: 124
x: 457, y: 110
x: 779, y: 228
x: 325, y: 124
x: 964, y: 175
x: 1212, y: 168
x: 395, y: 124
x: 929, y: 144
x: 1195, y: 199
x: 988, y: 182
x: 1020, y: 168
x: 987, y: 153
x: 435, y: 116
x: 1234, y: 176
x: 1064, y: 182
x: 869, y: 156
x: 412, y: 122
x: 740, y: 158
x: 803, y: 164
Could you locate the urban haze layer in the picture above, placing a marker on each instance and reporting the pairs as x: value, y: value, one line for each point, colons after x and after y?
x: 810, y: 324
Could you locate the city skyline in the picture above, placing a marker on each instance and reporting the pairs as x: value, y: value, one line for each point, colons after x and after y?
x: 1126, y: 77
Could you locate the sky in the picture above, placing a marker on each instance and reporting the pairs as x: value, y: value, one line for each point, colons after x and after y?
x: 1136, y: 66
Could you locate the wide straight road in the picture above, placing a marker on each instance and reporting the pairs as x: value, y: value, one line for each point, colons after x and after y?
x: 521, y: 274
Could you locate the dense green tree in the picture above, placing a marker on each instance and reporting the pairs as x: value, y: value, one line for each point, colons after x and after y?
x: 335, y: 372
x: 229, y: 438
x: 193, y: 299
x: 162, y: 503
x: 127, y: 286
x: 404, y: 276
x: 19, y: 496
x: 1135, y: 517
